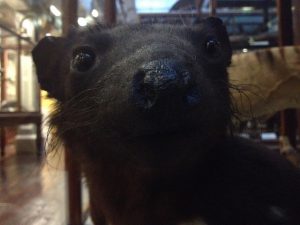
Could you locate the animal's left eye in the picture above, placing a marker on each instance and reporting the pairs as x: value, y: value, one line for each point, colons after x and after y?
x: 83, y: 59
x: 212, y: 46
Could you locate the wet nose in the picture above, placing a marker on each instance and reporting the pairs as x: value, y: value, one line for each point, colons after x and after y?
x: 160, y: 81
x: 164, y: 75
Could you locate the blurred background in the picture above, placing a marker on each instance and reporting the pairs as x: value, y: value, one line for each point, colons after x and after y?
x: 253, y: 25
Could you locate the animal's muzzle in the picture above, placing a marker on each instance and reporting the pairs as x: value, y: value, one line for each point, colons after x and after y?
x: 163, y: 83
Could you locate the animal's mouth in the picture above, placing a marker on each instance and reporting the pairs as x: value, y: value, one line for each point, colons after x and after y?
x: 165, y: 128
x: 150, y: 101
x: 165, y: 134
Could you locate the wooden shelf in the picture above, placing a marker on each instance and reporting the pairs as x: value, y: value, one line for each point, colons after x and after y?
x: 18, y: 118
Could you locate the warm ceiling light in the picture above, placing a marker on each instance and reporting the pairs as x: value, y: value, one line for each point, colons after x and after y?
x: 55, y: 11
x: 95, y: 13
x: 27, y: 24
x: 81, y: 21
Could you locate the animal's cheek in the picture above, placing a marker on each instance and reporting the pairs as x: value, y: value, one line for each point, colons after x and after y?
x: 195, y: 222
x: 277, y: 215
x: 80, y: 83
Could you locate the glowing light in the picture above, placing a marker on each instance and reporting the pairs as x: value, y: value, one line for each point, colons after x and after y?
x: 95, y: 13
x: 48, y: 34
x: 245, y: 50
x: 27, y: 27
x: 55, y: 11
x: 81, y: 21
x: 27, y: 24
x: 146, y: 6
x: 247, y: 9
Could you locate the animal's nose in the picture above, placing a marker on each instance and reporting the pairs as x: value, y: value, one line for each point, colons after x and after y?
x: 164, y: 75
x: 161, y: 82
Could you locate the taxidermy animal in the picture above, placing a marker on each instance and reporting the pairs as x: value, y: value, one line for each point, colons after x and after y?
x: 146, y: 110
x: 270, y: 81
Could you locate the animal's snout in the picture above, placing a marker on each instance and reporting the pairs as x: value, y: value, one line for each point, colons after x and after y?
x: 164, y: 76
x: 163, y: 82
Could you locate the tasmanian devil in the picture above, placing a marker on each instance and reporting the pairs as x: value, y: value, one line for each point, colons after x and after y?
x: 146, y: 111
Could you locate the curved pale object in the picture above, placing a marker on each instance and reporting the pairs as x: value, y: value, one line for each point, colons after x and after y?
x: 265, y: 81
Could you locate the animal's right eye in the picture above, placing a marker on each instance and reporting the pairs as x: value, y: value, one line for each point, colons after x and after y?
x: 212, y: 46
x: 83, y: 59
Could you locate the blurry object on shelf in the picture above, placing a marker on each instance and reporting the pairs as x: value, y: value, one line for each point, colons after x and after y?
x: 9, y: 106
x: 269, y: 139
x: 7, y: 16
x: 24, y: 135
x: 265, y: 81
x: 10, y: 132
x: 127, y: 11
x: 287, y: 150
x: 268, y: 136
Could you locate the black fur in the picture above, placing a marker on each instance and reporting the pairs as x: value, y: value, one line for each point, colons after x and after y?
x: 173, y: 161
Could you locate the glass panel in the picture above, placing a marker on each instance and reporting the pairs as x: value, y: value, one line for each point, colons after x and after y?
x: 8, y: 72
x: 10, y: 68
x: 29, y: 88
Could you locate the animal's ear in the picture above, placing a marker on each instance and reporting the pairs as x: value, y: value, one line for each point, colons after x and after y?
x: 48, y: 55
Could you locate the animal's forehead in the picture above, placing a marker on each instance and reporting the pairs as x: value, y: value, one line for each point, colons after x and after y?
x: 139, y: 33
x: 161, y: 30
x: 152, y: 34
x: 137, y: 36
x: 139, y: 28
x: 158, y: 29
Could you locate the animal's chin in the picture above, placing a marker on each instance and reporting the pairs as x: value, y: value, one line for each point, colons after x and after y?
x: 169, y: 132
x: 171, y: 136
